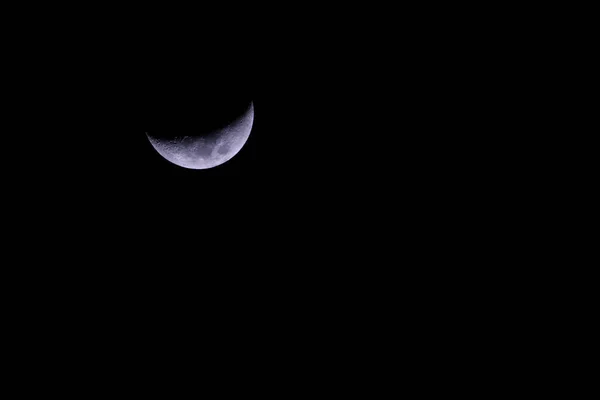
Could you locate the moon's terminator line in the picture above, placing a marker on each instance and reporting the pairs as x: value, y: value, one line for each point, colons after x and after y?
x: 206, y: 151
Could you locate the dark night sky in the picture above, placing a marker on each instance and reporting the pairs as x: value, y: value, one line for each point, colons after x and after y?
x: 345, y: 170
x: 97, y: 170
x: 330, y: 146
x: 356, y: 174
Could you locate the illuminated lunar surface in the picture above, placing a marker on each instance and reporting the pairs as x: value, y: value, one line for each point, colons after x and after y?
x: 207, y: 150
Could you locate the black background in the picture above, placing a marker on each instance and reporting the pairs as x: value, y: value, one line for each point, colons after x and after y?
x: 335, y: 154
x: 346, y: 189
x: 351, y: 183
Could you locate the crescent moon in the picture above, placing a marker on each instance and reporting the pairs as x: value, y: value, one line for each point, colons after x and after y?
x: 206, y: 151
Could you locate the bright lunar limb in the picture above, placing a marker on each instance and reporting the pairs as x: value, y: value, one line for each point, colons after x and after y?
x: 206, y: 151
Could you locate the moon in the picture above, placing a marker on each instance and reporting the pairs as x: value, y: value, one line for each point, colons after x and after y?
x: 203, y: 151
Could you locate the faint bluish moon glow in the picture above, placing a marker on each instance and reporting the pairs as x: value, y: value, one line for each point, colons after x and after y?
x: 206, y: 151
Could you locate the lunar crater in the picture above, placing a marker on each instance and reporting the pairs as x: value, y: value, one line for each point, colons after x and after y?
x: 208, y: 150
